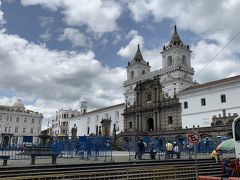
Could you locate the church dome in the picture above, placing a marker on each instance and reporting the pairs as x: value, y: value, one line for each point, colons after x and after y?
x: 18, y: 104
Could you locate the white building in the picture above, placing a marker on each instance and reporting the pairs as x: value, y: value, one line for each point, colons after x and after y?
x: 16, y: 123
x: 203, y: 101
x: 176, y: 77
x: 61, y: 121
x: 100, y: 121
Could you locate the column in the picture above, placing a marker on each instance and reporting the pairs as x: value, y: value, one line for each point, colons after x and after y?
x: 155, y: 121
x: 137, y: 125
x: 140, y: 123
x: 159, y: 121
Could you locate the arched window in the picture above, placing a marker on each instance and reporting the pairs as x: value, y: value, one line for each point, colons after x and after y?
x: 132, y: 74
x: 169, y: 61
x: 219, y: 123
x: 184, y: 61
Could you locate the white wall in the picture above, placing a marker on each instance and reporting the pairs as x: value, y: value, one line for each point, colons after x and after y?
x: 196, y: 114
x: 90, y: 120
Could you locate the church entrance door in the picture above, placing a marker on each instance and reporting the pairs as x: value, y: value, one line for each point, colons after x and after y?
x: 150, y: 124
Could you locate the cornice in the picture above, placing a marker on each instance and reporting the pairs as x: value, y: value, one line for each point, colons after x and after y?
x: 159, y: 72
x: 208, y: 86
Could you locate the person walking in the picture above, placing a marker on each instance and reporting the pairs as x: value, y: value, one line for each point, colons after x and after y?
x: 169, y: 150
x: 176, y: 150
x: 140, y: 149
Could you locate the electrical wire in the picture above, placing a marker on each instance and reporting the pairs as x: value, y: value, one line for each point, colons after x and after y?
x: 217, y: 54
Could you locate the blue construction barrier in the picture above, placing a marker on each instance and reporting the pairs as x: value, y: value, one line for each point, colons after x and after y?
x: 100, y: 147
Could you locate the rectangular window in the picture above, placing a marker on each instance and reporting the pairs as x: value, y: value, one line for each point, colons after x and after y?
x: 25, y: 120
x: 7, y: 118
x: 6, y: 129
x: 24, y: 130
x: 17, y: 119
x: 33, y: 120
x: 31, y: 131
x: 223, y: 98
x: 0, y: 117
x: 203, y: 102
x: 10, y: 118
x: 185, y: 105
x: 116, y: 114
x: 130, y: 125
x: 170, y: 119
x: 16, y: 129
x: 9, y: 129
x: 149, y: 97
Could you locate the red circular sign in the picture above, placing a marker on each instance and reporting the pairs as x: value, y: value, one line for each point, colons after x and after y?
x: 193, y: 137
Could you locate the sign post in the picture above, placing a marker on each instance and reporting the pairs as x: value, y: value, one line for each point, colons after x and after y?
x: 194, y: 138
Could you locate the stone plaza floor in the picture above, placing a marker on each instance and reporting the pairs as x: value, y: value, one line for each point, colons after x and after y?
x: 117, y: 156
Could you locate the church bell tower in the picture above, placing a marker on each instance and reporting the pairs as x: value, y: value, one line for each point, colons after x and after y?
x: 136, y: 69
x: 176, y: 62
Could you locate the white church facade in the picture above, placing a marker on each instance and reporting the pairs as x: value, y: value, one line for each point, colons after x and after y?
x: 176, y: 79
x: 175, y: 75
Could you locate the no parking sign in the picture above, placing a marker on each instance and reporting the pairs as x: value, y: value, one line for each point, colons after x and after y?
x: 193, y: 137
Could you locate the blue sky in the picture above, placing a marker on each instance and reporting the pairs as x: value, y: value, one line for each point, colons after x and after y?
x: 52, y: 52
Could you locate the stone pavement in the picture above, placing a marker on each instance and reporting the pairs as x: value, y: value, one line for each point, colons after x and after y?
x: 117, y: 156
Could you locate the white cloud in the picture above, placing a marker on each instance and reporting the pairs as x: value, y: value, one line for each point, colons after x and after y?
x: 50, y: 4
x: 154, y: 57
x: 52, y: 78
x: 224, y: 65
x: 99, y: 16
x: 46, y: 21
x: 46, y: 36
x: 213, y: 21
x: 129, y: 50
x: 2, y: 20
x: 76, y: 37
x: 202, y: 17
x: 151, y: 55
